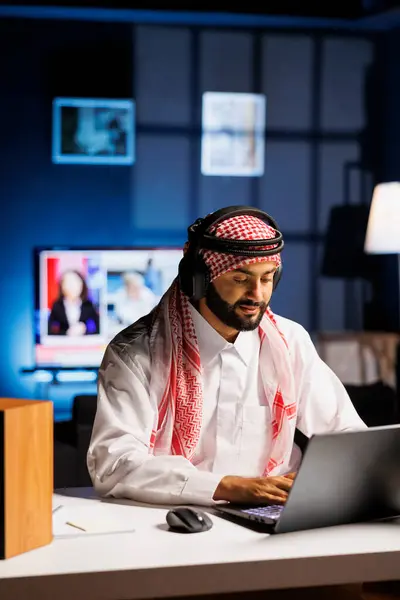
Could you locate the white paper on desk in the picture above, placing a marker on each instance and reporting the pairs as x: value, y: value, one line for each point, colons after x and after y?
x: 94, y: 519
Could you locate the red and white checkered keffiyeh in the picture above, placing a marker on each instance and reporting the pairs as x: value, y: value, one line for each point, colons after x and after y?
x: 242, y: 227
x: 176, y: 388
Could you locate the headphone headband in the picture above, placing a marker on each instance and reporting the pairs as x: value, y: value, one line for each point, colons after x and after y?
x: 199, y: 238
x: 194, y: 274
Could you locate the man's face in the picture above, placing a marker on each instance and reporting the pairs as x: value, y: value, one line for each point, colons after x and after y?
x: 240, y: 298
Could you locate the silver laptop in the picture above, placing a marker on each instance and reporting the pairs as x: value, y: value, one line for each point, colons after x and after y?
x: 344, y: 477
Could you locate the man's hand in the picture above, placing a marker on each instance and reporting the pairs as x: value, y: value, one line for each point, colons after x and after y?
x: 255, y: 490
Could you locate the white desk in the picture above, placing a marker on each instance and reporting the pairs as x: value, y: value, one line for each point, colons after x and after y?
x: 153, y: 562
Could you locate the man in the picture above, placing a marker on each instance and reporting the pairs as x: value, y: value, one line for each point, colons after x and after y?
x: 134, y: 300
x: 199, y: 400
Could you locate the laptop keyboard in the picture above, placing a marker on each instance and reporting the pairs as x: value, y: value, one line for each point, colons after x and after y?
x: 270, y: 512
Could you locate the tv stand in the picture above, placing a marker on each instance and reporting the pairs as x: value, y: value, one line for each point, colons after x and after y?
x: 46, y: 377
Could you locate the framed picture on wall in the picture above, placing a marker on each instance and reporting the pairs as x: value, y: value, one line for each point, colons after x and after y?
x: 93, y: 131
x: 233, y: 129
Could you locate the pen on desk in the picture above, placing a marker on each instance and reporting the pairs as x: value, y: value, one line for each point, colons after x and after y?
x: 76, y: 526
x: 57, y: 508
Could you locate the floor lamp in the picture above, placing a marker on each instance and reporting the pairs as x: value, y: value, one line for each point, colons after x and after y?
x: 383, y: 229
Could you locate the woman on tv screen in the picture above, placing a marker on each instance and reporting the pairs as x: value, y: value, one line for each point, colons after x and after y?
x: 73, y: 313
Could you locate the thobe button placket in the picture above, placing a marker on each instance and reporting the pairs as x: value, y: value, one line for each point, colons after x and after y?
x: 233, y: 378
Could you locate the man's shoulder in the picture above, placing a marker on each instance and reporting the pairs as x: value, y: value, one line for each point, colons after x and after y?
x: 301, y: 347
x: 293, y: 332
x: 133, y: 340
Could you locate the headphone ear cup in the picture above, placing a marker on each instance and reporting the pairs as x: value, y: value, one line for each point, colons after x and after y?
x: 201, y: 278
x: 277, y: 276
x: 194, y: 276
x: 185, y: 272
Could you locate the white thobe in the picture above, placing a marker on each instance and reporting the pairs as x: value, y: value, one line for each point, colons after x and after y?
x: 235, y: 437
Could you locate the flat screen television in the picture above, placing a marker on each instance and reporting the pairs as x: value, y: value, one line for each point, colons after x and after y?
x: 93, y: 131
x: 85, y: 296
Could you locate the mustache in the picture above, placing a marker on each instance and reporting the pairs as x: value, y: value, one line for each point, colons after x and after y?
x: 249, y: 303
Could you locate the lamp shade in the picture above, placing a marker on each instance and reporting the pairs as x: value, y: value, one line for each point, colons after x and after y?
x: 383, y: 230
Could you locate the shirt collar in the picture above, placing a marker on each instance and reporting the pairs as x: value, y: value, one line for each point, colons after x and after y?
x: 211, y: 343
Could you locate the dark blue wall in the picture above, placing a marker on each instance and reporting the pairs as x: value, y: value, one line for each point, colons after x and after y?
x: 389, y: 61
x: 385, y: 121
x: 42, y: 203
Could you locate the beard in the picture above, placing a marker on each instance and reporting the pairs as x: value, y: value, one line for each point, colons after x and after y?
x: 227, y: 314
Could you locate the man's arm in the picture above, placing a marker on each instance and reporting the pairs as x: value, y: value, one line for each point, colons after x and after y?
x: 323, y: 406
x: 119, y: 459
x: 255, y: 490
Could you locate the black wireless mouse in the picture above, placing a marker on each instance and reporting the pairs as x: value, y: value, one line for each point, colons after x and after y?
x: 183, y: 519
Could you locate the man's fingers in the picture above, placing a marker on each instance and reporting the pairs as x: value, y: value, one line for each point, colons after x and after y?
x: 268, y: 490
x: 277, y: 495
x: 277, y: 491
x: 272, y: 499
x: 283, y: 483
x: 291, y: 475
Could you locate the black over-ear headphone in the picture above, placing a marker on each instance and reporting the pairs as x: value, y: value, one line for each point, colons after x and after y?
x: 194, y: 274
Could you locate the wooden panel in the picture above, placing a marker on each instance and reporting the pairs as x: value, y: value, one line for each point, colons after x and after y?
x: 161, y: 202
x: 226, y: 61
x: 340, y: 592
x: 162, y: 74
x: 287, y: 72
x: 6, y: 403
x: 28, y: 475
x: 2, y: 529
